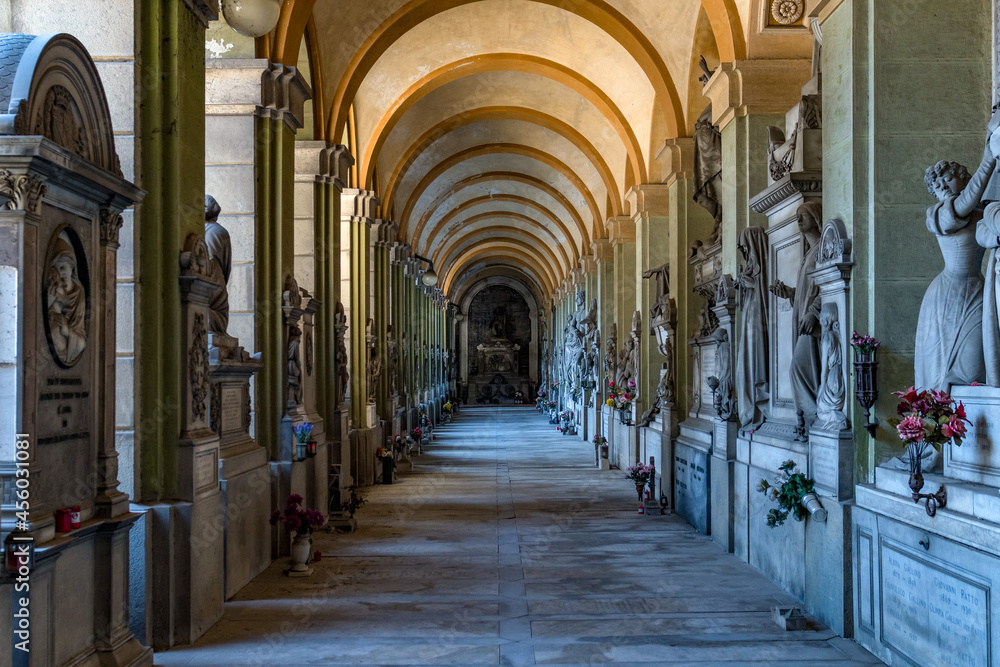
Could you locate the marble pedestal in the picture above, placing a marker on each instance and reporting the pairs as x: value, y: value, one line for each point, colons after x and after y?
x: 722, y: 472
x: 924, y: 587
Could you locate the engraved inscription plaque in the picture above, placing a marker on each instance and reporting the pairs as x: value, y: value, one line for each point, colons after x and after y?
x: 932, y: 616
x: 206, y: 469
x: 233, y: 407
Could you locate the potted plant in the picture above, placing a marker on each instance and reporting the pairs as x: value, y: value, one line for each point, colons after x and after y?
x: 794, y: 493
x: 929, y: 418
x: 302, y: 431
x: 302, y: 522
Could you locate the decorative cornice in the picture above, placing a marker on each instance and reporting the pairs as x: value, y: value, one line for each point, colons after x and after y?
x: 283, y: 93
x: 588, y: 264
x: 801, y: 183
x: 602, y: 250
x: 676, y: 158
x: 755, y: 86
x: 621, y: 229
x: 648, y: 199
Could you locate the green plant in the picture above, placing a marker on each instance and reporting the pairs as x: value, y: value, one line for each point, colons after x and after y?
x: 354, y: 500
x: 792, y: 486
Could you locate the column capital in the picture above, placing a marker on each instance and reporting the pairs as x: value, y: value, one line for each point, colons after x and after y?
x: 676, y: 157
x: 383, y: 232
x: 602, y: 250
x: 621, y: 229
x: 648, y: 199
x: 755, y: 87
x: 283, y: 94
x: 358, y: 204
x: 588, y: 264
x: 577, y: 277
x: 400, y: 252
x: 335, y: 165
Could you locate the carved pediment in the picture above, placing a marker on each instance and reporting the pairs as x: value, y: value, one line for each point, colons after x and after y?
x: 834, y: 245
x: 51, y: 88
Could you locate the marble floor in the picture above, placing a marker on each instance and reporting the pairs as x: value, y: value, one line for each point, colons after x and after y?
x: 506, y: 546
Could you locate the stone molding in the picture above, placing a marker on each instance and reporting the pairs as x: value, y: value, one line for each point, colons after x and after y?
x: 648, y: 199
x: 603, y: 252
x: 621, y: 229
x: 588, y: 264
x: 755, y: 86
x: 804, y: 183
x: 283, y: 94
x: 676, y: 158
x: 364, y: 203
x: 335, y: 165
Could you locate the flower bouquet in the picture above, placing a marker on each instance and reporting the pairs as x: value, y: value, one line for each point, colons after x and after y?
x: 863, y: 345
x: 302, y: 431
x: 794, y: 493
x: 354, y: 500
x: 296, y: 518
x: 640, y: 474
x: 621, y: 400
x: 929, y: 418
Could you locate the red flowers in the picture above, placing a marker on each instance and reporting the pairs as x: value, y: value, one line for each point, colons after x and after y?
x: 297, y: 519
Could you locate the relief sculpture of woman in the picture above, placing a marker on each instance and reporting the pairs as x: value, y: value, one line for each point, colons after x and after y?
x: 988, y: 236
x: 67, y: 302
x: 949, y: 340
x: 752, y: 386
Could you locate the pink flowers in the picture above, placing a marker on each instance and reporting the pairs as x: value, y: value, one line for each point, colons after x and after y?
x: 930, y: 416
x: 297, y: 519
x: 911, y: 428
x: 864, y: 344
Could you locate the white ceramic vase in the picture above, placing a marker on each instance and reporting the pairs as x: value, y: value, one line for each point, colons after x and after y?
x: 301, y: 549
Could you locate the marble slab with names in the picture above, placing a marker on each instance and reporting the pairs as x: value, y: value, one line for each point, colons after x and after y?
x: 930, y: 615
x: 233, y: 408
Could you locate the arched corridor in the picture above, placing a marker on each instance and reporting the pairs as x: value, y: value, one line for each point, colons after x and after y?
x: 503, y: 546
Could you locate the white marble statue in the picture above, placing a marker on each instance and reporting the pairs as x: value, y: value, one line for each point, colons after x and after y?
x: 752, y: 368
x: 988, y: 236
x: 804, y: 297
x: 830, y: 401
x: 949, y: 341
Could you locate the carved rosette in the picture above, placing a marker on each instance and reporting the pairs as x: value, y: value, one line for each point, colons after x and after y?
x: 24, y: 191
x: 787, y: 12
x: 198, y: 366
x: 111, y: 224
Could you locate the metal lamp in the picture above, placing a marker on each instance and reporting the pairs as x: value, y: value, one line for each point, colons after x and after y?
x: 252, y: 18
x: 428, y: 277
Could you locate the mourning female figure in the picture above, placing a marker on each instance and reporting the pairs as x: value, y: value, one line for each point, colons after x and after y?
x: 949, y: 341
x: 804, y: 297
x: 752, y: 354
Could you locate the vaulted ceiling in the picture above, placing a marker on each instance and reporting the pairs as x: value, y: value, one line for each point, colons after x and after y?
x: 501, y: 134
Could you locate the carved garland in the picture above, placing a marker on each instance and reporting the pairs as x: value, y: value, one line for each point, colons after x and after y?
x: 198, y: 367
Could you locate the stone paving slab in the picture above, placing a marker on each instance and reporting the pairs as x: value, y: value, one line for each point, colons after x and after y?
x: 506, y: 546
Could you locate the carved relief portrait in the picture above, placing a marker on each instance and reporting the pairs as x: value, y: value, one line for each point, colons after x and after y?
x: 66, y: 286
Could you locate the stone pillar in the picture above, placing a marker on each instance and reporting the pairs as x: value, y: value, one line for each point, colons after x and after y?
x: 621, y: 231
x: 357, y: 213
x: 653, y: 231
x: 605, y: 294
x: 725, y: 424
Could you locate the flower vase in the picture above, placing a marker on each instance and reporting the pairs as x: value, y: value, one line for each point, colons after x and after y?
x: 812, y: 505
x: 639, y: 488
x: 300, y: 551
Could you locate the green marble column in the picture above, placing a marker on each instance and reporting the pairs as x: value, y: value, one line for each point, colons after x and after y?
x: 653, y: 235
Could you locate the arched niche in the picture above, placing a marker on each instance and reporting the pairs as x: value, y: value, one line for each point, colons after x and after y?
x: 465, y: 303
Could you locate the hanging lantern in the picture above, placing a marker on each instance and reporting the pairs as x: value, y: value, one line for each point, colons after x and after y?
x: 311, y: 448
